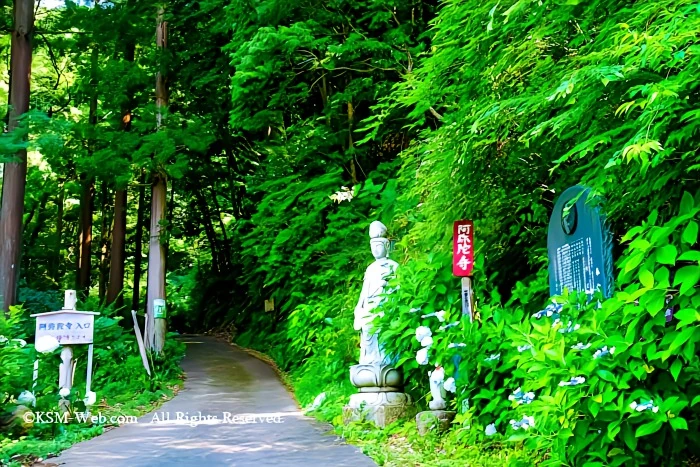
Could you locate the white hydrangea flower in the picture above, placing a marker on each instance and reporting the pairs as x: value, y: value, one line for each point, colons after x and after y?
x: 642, y: 406
x: 422, y: 356
x: 440, y: 315
x: 423, y: 332
x: 450, y: 385
x: 64, y: 392
x: 490, y: 429
x: 46, y: 344
x: 427, y: 341
x: 91, y: 398
x: 526, y: 423
x: 27, y: 398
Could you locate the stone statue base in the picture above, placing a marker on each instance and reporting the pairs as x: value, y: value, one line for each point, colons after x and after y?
x: 381, y: 408
x: 373, y: 378
x: 434, y: 420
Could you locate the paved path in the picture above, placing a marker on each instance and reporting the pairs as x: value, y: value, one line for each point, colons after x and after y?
x: 220, y: 379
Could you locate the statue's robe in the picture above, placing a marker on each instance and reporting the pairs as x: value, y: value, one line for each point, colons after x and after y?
x: 373, y: 287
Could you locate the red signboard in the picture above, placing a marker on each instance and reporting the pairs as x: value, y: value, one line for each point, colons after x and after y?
x: 463, y: 248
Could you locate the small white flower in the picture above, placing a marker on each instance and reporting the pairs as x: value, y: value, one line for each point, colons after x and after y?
x: 603, y: 352
x: 574, y: 381
x: 448, y: 326
x: 440, y: 315
x: 570, y: 328
x: 515, y: 395
x: 581, y: 346
x: 450, y: 385
x: 523, y: 348
x: 422, y: 356
x: 27, y: 398
x: 3, y: 339
x: 526, y: 423
x: 423, y: 332
x: 427, y: 341
x: 64, y: 392
x: 493, y: 357
x: 452, y: 345
x: 490, y: 429
x: 642, y: 406
x: 522, y: 398
x: 91, y: 398
x: 46, y: 344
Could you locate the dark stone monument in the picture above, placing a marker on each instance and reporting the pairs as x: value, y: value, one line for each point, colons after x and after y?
x: 579, y: 245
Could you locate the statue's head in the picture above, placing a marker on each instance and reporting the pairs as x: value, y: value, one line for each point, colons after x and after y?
x: 378, y: 243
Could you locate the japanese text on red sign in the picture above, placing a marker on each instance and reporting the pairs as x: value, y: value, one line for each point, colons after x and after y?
x: 463, y: 250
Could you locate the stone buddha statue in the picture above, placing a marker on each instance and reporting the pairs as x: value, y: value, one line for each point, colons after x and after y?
x: 380, y: 384
x: 374, y: 287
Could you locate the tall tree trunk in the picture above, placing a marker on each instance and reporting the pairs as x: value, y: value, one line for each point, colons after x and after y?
x: 56, y: 257
x: 84, y: 256
x: 155, y: 338
x: 116, y: 270
x: 118, y: 253
x: 209, y: 230
x: 138, y: 243
x: 351, y: 144
x: 87, y: 200
x: 156, y: 264
x: 15, y: 173
x: 225, y: 255
x: 105, y: 227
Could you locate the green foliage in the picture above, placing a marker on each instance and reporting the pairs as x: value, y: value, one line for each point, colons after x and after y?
x: 119, y: 380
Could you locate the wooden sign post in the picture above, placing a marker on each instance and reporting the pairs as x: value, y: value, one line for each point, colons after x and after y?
x: 68, y: 327
x: 463, y: 262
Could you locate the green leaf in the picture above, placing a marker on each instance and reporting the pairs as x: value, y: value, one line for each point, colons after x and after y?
x: 648, y: 428
x: 690, y: 234
x: 696, y: 399
x: 692, y: 255
x: 676, y: 368
x: 628, y: 437
x: 687, y: 277
x: 678, y: 423
x: 687, y: 203
x: 646, y: 278
x: 666, y: 254
x: 606, y: 375
x: 686, y: 316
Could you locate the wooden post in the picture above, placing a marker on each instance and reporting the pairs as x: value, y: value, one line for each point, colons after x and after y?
x: 467, y: 298
x: 88, y: 378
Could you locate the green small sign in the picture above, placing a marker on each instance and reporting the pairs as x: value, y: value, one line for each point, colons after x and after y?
x: 159, y: 308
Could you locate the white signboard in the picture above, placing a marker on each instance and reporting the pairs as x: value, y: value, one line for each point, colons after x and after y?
x: 67, y: 326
